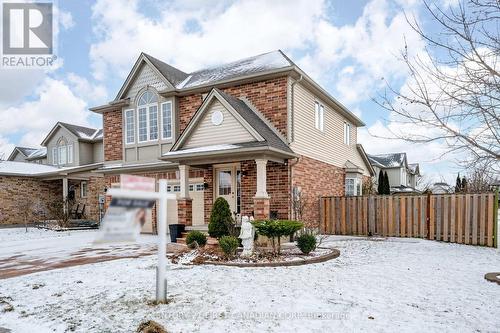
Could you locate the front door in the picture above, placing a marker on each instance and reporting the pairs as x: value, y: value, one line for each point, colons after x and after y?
x: 227, y: 179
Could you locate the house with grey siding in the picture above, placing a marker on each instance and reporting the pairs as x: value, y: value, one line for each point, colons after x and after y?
x: 403, y: 176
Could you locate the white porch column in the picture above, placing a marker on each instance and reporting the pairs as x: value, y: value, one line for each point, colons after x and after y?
x: 261, y: 178
x: 184, y: 181
x: 65, y: 193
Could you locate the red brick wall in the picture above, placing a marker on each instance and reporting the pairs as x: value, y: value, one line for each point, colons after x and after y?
x: 95, y: 186
x: 170, y: 174
x: 316, y: 179
x: 17, y: 193
x: 113, y: 139
x: 269, y: 97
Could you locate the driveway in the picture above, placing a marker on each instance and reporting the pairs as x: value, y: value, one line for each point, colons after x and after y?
x: 38, y: 250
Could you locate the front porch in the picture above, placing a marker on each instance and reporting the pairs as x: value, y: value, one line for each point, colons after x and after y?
x: 258, y: 188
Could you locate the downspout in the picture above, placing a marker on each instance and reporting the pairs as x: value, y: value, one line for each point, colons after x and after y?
x: 290, y: 172
x: 292, y: 121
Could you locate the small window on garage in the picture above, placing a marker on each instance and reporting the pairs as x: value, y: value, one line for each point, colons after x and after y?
x: 177, y: 188
x: 200, y: 187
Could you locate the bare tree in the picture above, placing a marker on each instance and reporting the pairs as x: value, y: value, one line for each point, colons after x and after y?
x: 480, y: 179
x: 452, y: 94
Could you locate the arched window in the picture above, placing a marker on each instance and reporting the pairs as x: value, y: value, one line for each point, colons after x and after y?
x: 147, y: 116
x: 62, y: 153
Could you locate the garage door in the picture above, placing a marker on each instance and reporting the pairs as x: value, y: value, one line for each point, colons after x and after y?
x: 196, y: 192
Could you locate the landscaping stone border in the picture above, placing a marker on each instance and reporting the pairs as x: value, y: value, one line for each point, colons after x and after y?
x: 314, y: 260
x: 493, y: 277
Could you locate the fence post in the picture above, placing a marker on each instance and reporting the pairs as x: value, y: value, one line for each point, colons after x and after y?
x: 495, y: 219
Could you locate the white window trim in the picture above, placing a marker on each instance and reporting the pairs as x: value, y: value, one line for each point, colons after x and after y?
x: 347, y: 133
x: 81, y: 189
x: 55, y: 160
x: 148, y: 127
x: 319, y: 116
x: 126, y: 125
x: 60, y: 155
x: 70, y: 152
x: 171, y: 120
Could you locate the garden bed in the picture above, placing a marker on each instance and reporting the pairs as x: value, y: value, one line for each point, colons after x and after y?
x: 288, y: 257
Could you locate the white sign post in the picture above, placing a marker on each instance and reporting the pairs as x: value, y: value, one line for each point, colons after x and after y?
x: 162, y: 196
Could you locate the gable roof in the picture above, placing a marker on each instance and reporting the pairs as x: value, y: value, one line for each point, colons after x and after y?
x: 394, y: 160
x: 37, y: 154
x: 266, y: 136
x: 173, y: 75
x: 177, y: 81
x: 82, y: 133
x: 26, y: 151
x: 414, y: 168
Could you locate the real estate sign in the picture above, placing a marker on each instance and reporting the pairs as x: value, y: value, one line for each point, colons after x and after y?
x: 125, y: 217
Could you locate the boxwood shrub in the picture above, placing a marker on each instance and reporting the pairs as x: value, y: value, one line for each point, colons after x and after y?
x: 229, y: 245
x: 196, y: 238
x: 306, y: 243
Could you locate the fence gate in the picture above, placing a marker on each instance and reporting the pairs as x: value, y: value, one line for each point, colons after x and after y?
x: 456, y: 218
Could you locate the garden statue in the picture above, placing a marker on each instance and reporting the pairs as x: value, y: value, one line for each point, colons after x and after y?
x: 247, y: 235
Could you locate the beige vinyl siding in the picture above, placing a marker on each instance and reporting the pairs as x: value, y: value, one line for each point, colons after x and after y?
x: 327, y: 145
x: 146, y: 77
x: 98, y: 153
x: 70, y: 138
x: 19, y: 158
x: 206, y: 133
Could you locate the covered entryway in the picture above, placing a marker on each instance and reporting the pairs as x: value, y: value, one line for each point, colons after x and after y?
x: 228, y: 185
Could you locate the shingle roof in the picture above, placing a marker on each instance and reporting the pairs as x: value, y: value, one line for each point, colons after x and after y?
x: 256, y: 64
x: 27, y: 151
x: 251, y: 117
x: 388, y: 160
x: 82, y: 132
x: 413, y: 167
x: 39, y: 153
x: 172, y: 74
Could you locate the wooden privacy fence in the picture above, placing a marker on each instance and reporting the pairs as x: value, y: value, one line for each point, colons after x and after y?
x: 456, y: 218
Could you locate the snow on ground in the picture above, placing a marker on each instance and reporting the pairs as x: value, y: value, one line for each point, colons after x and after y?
x: 44, y: 243
x: 403, y: 285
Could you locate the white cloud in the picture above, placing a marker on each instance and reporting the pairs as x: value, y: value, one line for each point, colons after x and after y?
x: 54, y: 101
x: 66, y: 20
x: 224, y: 32
x: 92, y: 93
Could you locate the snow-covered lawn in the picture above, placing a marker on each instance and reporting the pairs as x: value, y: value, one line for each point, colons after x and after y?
x: 398, y: 285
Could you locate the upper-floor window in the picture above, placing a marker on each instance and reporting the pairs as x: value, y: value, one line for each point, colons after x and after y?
x: 62, y: 154
x: 129, y: 126
x: 166, y: 114
x: 347, y: 133
x: 352, y: 186
x: 147, y: 117
x: 319, y: 115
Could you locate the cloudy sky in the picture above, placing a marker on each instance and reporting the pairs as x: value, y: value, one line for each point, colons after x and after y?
x: 349, y: 47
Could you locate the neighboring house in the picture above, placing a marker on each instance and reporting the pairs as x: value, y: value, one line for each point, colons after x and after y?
x: 403, y: 177
x: 70, y: 156
x: 29, y: 154
x: 252, y: 131
x: 442, y: 188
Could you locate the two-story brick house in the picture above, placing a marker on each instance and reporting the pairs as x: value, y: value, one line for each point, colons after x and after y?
x: 258, y: 132
x: 65, y: 167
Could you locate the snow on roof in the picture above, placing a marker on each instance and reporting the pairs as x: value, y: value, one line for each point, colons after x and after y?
x: 202, y: 149
x: 24, y: 168
x: 39, y: 153
x: 260, y: 63
x: 388, y: 160
x: 82, y: 132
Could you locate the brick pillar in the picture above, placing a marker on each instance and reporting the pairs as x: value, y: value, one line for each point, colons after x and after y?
x: 261, y: 208
x: 185, y: 211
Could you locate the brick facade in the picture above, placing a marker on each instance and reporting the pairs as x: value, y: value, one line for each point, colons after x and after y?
x: 95, y: 186
x: 261, y: 208
x: 269, y: 97
x: 316, y: 179
x: 19, y: 193
x: 113, y: 137
x: 185, y: 211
